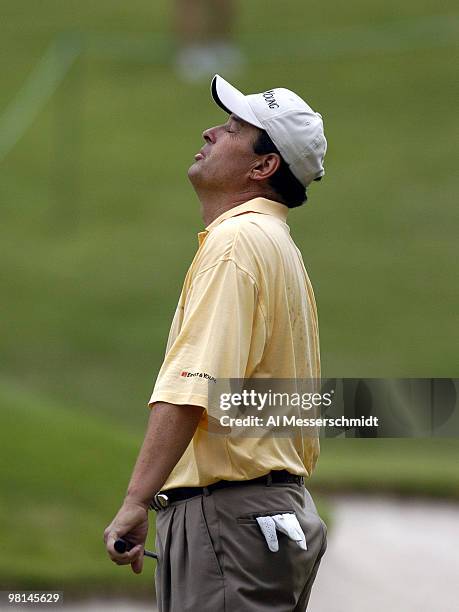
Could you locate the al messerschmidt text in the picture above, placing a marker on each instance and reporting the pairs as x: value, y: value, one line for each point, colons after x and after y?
x: 294, y: 421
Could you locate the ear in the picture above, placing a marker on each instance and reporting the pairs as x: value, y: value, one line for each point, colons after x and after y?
x: 265, y: 166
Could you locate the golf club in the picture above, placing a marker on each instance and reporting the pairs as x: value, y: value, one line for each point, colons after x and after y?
x: 122, y: 546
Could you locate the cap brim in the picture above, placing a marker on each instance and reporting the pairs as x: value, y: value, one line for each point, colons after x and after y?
x: 231, y: 100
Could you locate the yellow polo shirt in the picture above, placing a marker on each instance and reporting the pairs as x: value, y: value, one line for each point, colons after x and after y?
x: 247, y: 310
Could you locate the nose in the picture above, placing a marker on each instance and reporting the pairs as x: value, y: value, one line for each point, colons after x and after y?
x: 209, y: 135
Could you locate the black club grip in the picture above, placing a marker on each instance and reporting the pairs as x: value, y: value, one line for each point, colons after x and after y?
x: 121, y: 546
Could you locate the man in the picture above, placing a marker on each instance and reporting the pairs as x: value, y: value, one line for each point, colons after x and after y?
x: 205, y: 38
x: 236, y: 529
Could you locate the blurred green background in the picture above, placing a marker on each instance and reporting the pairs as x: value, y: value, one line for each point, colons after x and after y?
x: 98, y: 226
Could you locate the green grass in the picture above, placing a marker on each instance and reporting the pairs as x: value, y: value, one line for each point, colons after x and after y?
x: 62, y: 478
x: 424, y: 468
x: 98, y: 228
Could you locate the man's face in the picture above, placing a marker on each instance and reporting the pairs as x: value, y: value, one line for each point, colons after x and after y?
x: 227, y: 157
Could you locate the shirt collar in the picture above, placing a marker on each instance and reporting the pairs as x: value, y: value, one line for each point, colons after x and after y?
x: 258, y: 205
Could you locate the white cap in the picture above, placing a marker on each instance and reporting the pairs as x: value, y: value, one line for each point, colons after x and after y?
x: 295, y: 129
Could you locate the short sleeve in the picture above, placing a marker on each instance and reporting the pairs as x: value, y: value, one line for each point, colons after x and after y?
x: 222, y: 335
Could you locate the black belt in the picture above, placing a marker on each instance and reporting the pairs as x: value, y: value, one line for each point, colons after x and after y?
x: 164, y: 498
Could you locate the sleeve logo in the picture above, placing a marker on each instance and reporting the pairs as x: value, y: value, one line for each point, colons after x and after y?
x: 186, y: 374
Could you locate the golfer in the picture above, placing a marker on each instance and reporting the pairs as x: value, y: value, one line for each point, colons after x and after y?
x: 236, y: 529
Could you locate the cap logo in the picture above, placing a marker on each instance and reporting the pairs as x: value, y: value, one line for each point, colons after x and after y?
x: 270, y: 99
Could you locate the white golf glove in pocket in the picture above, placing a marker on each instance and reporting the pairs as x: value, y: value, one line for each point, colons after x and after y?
x: 285, y: 523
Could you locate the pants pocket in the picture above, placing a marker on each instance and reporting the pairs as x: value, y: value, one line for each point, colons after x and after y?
x: 250, y: 517
x: 208, y: 538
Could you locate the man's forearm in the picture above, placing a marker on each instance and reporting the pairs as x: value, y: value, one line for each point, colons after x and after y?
x: 170, y: 429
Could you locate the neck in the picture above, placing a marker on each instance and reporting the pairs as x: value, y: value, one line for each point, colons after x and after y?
x: 215, y: 204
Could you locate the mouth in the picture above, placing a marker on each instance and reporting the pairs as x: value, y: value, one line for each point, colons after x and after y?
x: 199, y: 155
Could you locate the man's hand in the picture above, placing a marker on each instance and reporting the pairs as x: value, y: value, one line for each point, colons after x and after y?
x: 131, y: 523
x: 170, y: 430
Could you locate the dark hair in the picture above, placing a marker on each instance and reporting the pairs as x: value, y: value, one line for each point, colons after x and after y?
x: 283, y: 182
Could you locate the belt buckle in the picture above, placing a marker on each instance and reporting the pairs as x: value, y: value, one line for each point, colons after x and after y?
x: 160, y: 501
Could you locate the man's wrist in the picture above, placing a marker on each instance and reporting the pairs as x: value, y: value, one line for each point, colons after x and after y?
x: 133, y: 499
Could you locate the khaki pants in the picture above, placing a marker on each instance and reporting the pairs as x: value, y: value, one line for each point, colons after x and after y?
x: 213, y: 556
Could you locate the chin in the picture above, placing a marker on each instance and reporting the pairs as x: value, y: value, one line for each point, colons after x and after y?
x: 194, y: 173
